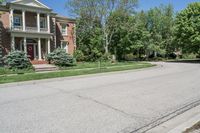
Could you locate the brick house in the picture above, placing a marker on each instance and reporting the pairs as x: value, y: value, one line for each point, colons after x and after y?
x: 31, y: 26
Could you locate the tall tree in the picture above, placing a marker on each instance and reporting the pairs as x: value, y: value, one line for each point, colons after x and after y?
x: 187, y: 28
x: 160, y: 25
x: 1, y: 1
x: 100, y: 9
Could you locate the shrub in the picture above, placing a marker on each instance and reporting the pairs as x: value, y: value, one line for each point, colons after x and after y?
x: 17, y: 60
x: 1, y: 57
x: 60, y: 58
x: 106, y: 57
x: 79, y: 55
x: 172, y: 56
x: 130, y: 57
x: 189, y: 56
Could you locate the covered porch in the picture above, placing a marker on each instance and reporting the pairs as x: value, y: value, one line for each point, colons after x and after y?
x: 36, y: 48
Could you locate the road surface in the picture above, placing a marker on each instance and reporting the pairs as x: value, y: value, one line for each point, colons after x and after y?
x: 121, y: 102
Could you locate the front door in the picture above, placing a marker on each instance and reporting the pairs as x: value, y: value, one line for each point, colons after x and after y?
x: 30, y: 51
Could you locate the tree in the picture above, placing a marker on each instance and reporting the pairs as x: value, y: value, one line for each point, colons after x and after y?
x: 120, y: 21
x: 100, y: 10
x: 60, y: 58
x: 160, y: 22
x: 113, y: 26
x: 89, y: 38
x: 187, y: 29
x: 2, y: 1
x: 17, y: 60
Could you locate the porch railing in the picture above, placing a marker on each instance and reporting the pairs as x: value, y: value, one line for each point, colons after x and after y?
x: 43, y: 30
x: 29, y: 29
x: 18, y: 28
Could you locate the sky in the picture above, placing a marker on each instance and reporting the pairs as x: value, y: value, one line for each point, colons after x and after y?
x: 59, y: 5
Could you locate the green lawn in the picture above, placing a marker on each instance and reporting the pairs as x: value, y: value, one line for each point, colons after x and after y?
x: 83, y: 65
x: 78, y: 70
x: 6, y: 71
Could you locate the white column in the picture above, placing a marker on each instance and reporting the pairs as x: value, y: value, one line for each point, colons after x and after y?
x: 55, y: 43
x: 34, y: 51
x: 25, y: 45
x: 12, y: 43
x: 48, y: 23
x: 38, y: 21
x: 54, y: 32
x: 24, y: 20
x: 11, y: 18
x: 39, y: 49
x: 49, y: 45
x: 21, y: 46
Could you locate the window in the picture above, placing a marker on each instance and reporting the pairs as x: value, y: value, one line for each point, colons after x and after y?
x: 64, y: 45
x: 42, y: 23
x: 64, y: 29
x: 17, y: 21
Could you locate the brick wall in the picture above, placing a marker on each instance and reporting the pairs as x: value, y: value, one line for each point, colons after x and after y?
x: 69, y: 37
x: 31, y: 19
x: 5, y: 35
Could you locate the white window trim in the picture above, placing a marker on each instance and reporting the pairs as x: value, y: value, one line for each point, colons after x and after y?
x: 66, y: 29
x: 20, y: 17
x: 67, y: 46
x: 45, y: 22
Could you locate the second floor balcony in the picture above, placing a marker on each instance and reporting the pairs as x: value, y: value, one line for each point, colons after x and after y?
x: 29, y: 21
x: 29, y: 29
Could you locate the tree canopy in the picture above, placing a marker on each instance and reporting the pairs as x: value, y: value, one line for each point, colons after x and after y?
x: 114, y: 27
x: 187, y: 29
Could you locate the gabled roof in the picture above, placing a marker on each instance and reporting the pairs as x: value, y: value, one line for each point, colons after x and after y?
x: 60, y: 17
x: 33, y: 3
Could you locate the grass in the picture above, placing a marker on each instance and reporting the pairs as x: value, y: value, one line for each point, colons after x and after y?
x: 193, y: 128
x: 74, y: 72
x: 6, y: 71
x: 83, y: 65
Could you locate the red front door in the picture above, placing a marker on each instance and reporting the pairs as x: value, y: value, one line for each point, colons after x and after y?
x: 30, y: 51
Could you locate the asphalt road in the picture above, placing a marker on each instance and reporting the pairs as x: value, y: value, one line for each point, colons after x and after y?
x: 122, y: 102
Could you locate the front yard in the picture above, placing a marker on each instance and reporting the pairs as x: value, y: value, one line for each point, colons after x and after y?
x: 79, y: 69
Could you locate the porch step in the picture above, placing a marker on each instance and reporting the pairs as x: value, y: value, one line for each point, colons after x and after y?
x: 36, y: 62
x: 45, y: 67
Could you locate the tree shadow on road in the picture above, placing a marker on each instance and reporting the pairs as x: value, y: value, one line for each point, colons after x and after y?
x: 185, y: 61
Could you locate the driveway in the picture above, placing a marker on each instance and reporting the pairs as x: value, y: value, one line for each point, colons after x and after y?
x: 121, y: 102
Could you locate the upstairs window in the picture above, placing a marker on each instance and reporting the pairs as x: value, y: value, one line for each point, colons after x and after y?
x: 64, y: 29
x: 42, y: 23
x: 17, y: 21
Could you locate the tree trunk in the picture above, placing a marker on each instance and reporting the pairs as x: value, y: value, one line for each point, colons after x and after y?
x: 155, y: 54
x: 115, y: 53
x: 107, y: 43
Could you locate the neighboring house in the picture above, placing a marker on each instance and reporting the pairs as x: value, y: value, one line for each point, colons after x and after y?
x: 30, y: 26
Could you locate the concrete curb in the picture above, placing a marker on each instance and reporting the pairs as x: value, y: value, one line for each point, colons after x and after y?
x: 188, y: 124
x: 179, y: 123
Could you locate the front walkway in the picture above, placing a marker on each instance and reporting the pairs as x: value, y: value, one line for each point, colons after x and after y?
x: 45, y: 67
